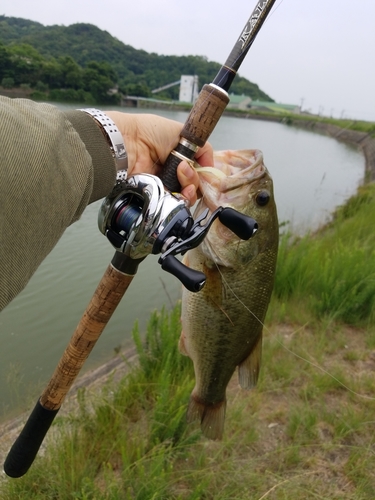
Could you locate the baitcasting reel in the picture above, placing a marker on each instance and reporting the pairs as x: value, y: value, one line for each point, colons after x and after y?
x: 139, y: 217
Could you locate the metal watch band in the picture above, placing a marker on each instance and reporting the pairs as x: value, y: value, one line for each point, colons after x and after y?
x: 114, y: 138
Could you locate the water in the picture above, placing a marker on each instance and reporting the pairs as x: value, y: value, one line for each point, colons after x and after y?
x: 312, y: 175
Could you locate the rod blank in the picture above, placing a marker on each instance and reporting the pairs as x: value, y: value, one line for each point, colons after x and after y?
x: 102, y: 305
x: 213, y: 98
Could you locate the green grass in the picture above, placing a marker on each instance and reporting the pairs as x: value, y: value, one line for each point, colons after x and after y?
x: 357, y: 125
x: 307, y: 431
x: 333, y: 272
x: 293, y: 119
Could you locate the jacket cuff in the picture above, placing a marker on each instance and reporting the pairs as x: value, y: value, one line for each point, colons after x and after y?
x: 102, y: 161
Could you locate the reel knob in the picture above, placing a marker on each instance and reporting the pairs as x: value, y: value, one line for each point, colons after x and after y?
x: 193, y: 280
x: 241, y: 225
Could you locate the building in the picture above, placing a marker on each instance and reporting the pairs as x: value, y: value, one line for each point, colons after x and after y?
x: 188, y: 88
x: 239, y: 101
x: 275, y: 107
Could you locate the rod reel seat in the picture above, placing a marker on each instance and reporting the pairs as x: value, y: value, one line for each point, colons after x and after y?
x: 139, y: 217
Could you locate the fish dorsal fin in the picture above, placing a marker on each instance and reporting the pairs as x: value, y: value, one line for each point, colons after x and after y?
x: 248, y: 370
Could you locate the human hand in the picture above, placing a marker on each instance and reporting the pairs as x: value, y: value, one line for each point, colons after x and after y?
x: 149, y: 139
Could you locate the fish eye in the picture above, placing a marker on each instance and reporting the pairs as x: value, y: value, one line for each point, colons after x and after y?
x: 262, y: 198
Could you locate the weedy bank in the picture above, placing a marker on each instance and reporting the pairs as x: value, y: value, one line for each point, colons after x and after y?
x: 308, y: 429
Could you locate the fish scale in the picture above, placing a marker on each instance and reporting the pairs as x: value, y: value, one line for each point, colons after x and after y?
x: 222, y: 324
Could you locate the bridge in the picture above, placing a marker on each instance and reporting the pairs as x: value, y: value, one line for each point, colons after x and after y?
x: 188, y: 88
x: 159, y: 89
x: 132, y: 101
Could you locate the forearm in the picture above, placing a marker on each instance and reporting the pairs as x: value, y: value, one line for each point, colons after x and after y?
x: 52, y: 165
x: 103, y: 165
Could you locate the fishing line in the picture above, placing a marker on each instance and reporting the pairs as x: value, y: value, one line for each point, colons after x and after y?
x: 324, y: 371
x: 363, y: 396
x: 244, y: 305
x: 294, y: 353
x: 212, y: 251
x: 274, y: 9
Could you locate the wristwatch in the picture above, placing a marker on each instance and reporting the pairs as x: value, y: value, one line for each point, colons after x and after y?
x: 113, y: 137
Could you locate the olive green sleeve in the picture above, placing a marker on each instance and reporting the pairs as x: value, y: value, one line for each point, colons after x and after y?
x: 97, y: 147
x: 52, y: 164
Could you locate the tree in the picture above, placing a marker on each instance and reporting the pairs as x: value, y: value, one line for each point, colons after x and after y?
x: 26, y: 63
x: 85, y: 42
x: 5, y: 62
x: 7, y: 82
x: 71, y: 73
x: 53, y: 74
x: 99, y: 79
x: 136, y: 89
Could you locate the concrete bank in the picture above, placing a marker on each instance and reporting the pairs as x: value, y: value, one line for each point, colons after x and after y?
x: 362, y: 140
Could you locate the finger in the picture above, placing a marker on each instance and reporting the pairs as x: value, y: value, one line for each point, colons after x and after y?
x: 190, y: 193
x: 187, y: 175
x: 205, y: 156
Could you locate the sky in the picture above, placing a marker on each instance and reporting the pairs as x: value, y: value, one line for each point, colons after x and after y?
x: 317, y: 54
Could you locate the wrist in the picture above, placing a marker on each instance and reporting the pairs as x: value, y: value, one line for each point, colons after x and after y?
x: 113, y: 137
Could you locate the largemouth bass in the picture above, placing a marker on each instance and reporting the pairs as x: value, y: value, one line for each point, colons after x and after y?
x: 222, y: 324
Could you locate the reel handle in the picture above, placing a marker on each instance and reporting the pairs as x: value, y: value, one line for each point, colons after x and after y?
x: 193, y: 280
x: 203, y: 117
x: 241, y: 225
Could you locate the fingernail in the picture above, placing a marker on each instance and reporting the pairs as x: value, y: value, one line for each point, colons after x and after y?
x: 188, y: 171
x: 189, y: 192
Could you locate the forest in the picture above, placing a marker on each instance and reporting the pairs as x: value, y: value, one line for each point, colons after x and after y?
x: 86, y: 64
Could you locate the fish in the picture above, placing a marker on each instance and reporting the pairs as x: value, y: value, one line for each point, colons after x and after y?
x: 222, y: 324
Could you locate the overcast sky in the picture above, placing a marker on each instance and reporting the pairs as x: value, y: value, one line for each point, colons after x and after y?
x: 318, y: 53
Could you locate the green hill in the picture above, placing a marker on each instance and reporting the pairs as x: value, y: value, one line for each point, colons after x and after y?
x: 137, y: 71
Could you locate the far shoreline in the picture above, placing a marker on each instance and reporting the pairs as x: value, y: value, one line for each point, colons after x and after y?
x: 364, y: 141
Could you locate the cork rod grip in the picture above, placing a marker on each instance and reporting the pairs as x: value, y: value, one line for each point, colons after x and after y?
x: 204, y: 115
x: 198, y: 127
x: 102, y: 305
x: 107, y: 296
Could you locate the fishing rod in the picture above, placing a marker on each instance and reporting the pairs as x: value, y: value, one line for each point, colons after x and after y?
x: 213, y: 99
x: 140, y: 217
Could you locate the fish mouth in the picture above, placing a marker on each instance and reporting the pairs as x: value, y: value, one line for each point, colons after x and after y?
x: 234, y: 180
x: 233, y: 168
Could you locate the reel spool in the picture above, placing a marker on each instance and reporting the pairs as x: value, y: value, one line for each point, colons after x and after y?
x: 139, y: 217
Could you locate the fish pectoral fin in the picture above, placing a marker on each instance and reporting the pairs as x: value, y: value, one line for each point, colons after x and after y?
x: 211, y: 416
x: 181, y: 345
x: 248, y: 370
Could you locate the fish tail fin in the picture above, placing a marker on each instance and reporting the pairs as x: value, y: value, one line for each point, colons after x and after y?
x: 248, y: 370
x: 211, y: 416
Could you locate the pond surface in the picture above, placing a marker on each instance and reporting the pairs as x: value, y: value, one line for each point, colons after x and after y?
x: 312, y: 175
